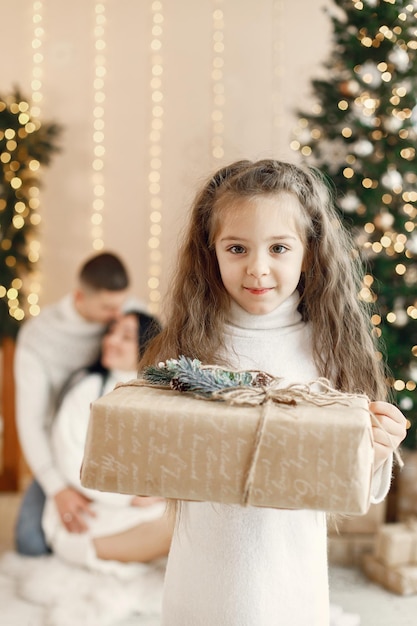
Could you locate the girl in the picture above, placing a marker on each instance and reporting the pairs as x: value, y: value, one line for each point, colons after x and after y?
x: 106, y: 531
x: 267, y: 280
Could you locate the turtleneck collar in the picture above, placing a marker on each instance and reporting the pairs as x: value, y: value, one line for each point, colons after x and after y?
x: 285, y: 315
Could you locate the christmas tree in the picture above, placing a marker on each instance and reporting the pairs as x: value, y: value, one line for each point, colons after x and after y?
x: 362, y: 132
x: 25, y: 145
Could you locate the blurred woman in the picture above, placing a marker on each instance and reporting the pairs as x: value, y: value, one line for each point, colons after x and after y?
x: 111, y: 530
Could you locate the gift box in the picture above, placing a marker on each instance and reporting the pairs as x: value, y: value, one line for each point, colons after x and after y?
x: 315, y: 452
x: 406, y: 480
x: 396, y: 544
x: 400, y: 579
x: 348, y: 550
x: 361, y: 524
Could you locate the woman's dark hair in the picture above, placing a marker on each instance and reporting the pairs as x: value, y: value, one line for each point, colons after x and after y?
x: 148, y: 328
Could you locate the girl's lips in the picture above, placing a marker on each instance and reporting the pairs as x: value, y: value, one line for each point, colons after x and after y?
x: 258, y: 291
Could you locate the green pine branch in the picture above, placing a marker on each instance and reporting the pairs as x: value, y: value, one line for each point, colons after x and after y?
x: 185, y: 374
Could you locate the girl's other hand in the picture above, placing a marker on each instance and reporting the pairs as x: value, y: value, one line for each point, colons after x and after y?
x: 389, y: 429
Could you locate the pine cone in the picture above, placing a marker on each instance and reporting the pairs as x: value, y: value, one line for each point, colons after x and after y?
x: 262, y: 379
x: 176, y: 384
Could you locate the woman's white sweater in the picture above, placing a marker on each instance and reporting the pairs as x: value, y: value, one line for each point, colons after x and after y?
x: 49, y: 349
x: 113, y: 512
x: 236, y: 566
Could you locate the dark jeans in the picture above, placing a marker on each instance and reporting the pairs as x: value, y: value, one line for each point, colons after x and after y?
x: 29, y: 536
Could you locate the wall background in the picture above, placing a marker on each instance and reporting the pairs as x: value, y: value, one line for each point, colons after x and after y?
x: 247, y: 64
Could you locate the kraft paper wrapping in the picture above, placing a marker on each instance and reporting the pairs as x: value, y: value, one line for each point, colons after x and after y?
x: 396, y: 544
x: 401, y: 579
x: 151, y: 441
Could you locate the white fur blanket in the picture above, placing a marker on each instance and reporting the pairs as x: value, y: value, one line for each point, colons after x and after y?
x: 45, y: 591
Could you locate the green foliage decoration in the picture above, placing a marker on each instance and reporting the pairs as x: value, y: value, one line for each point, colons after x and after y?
x: 26, y: 144
x: 189, y: 375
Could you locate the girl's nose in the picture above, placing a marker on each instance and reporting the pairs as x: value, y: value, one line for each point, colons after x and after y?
x: 258, y: 265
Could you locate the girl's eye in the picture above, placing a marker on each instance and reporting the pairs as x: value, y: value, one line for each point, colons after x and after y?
x: 278, y: 248
x: 237, y: 249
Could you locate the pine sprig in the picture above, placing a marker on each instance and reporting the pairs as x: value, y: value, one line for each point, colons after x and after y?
x: 158, y: 375
x: 185, y: 374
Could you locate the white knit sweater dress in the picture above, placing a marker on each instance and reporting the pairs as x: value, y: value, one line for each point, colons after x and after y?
x: 236, y: 566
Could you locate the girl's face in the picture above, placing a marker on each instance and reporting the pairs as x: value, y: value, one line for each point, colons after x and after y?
x: 120, y: 344
x: 260, y: 251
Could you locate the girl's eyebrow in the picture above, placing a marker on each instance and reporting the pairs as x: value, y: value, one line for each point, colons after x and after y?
x: 243, y: 239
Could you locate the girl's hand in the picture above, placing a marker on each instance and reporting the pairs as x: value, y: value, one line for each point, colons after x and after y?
x: 389, y: 429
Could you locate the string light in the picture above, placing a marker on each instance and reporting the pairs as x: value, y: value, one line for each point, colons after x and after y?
x: 155, y: 157
x: 217, y: 74
x: 278, y: 72
x: 19, y: 171
x: 37, y: 45
x: 34, y: 280
x: 98, y: 127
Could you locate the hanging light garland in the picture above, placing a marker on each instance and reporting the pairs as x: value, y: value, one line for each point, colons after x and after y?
x: 37, y: 69
x: 278, y: 72
x: 155, y: 157
x: 98, y: 127
x: 34, y: 286
x: 25, y: 145
x: 217, y: 78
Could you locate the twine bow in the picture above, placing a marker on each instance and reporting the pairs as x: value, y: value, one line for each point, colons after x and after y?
x: 292, y: 394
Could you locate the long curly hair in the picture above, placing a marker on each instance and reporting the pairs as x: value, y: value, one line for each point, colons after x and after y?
x: 344, y: 347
